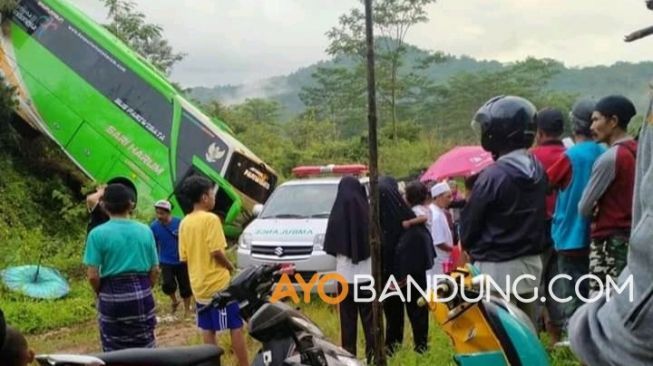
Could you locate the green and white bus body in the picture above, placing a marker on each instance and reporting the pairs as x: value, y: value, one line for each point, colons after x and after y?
x: 115, y: 115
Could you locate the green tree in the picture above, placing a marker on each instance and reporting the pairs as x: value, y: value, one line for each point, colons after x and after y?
x: 392, y: 19
x: 7, y: 6
x: 338, y: 96
x: 130, y: 26
x: 449, y: 108
x: 258, y: 110
x: 306, y: 132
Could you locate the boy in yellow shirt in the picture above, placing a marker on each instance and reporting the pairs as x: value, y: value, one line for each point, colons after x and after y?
x: 202, y: 246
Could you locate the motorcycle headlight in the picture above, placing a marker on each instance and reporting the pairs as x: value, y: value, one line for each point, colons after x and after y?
x: 318, y: 242
x: 245, y: 241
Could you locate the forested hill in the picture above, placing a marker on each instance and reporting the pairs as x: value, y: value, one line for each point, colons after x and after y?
x: 624, y: 78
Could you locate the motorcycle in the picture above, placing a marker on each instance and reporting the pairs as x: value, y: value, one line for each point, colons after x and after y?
x: 486, y: 331
x: 288, y: 337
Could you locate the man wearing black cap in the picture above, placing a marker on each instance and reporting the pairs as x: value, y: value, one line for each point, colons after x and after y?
x: 549, y: 148
x: 571, y: 231
x: 608, y: 198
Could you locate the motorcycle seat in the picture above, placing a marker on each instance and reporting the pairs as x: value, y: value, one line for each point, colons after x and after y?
x: 205, y: 355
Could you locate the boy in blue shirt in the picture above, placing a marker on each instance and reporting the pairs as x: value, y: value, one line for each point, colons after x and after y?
x: 174, y: 273
x: 570, y: 230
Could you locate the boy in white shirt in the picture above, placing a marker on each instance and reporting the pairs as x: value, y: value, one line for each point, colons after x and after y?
x: 440, y: 231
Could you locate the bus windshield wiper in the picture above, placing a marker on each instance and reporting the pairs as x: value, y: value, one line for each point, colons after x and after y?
x: 324, y: 215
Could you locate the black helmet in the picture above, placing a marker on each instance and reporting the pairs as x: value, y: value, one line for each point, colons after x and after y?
x: 581, y: 117
x: 506, y: 123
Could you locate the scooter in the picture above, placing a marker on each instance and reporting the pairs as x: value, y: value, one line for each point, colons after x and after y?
x: 489, y: 331
x: 288, y: 337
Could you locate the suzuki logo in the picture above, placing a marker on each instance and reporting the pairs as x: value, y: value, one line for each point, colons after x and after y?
x: 278, y: 251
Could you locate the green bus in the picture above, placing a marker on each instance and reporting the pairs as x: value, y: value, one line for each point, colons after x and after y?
x: 116, y: 115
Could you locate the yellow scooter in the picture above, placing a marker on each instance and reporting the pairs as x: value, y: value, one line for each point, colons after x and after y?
x: 488, y: 331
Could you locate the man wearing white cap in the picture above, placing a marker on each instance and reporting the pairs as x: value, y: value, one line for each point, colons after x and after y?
x: 440, y: 231
x: 174, y: 273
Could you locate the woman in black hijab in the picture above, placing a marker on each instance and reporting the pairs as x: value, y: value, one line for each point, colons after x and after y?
x: 405, y: 252
x: 346, y: 239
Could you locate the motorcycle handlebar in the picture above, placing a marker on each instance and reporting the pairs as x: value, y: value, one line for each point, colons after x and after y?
x: 443, y: 289
x: 265, y: 276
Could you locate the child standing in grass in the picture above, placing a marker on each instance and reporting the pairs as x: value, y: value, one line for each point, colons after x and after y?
x: 202, y: 246
x: 122, y: 267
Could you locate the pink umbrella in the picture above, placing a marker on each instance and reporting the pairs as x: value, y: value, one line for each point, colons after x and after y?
x: 461, y: 161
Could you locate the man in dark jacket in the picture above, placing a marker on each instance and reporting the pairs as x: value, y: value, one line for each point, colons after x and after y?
x: 503, y: 223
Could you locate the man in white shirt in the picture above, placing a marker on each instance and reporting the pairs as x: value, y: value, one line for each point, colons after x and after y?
x: 440, y: 231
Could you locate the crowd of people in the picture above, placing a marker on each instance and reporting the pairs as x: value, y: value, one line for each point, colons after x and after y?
x: 541, y: 209
x: 125, y: 259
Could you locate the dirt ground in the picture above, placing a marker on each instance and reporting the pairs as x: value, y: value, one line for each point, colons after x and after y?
x: 84, y: 338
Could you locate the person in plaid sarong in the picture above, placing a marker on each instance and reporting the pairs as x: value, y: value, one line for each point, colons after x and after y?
x: 122, y: 266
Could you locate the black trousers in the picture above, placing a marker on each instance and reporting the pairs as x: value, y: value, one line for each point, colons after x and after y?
x: 349, y: 312
x: 393, y: 307
x: 175, y: 276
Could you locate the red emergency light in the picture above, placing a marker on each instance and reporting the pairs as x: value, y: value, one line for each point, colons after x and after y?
x: 313, y: 170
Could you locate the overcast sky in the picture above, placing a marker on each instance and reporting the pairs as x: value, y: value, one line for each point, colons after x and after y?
x: 237, y: 41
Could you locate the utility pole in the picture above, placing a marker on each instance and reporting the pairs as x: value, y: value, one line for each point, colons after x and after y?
x: 375, y: 241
